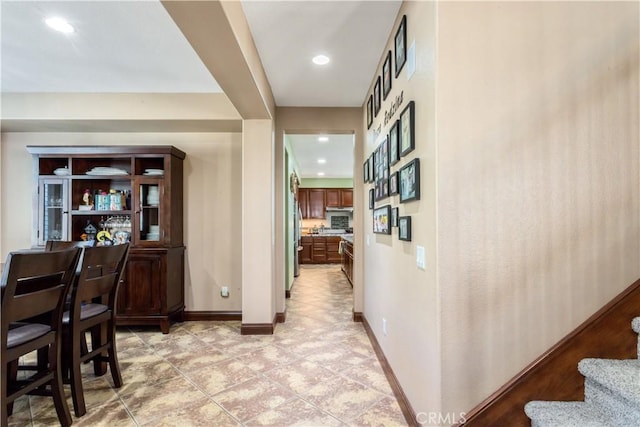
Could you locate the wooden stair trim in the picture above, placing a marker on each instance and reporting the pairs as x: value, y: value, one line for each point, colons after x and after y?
x: 554, y: 375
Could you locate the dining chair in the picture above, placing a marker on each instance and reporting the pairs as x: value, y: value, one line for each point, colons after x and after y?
x: 34, y: 287
x: 93, y: 309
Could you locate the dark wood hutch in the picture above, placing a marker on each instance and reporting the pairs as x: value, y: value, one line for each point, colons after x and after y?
x: 135, y: 194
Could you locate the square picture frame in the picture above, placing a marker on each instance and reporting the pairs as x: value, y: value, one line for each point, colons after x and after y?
x: 370, y: 111
x: 394, y: 217
x: 394, y: 188
x: 376, y: 97
x: 406, y: 131
x: 386, y: 76
x: 394, y: 140
x: 382, y: 220
x: 409, y: 180
x: 404, y: 228
x: 371, y: 198
x: 400, y: 43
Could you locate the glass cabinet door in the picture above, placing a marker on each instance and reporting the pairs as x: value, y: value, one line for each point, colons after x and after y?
x: 149, y: 219
x: 53, y: 215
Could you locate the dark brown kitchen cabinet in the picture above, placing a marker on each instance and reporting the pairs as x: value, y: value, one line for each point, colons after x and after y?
x: 317, y: 203
x: 333, y: 245
x: 347, y: 260
x: 339, y: 197
x: 126, y: 193
x: 303, y: 202
x: 319, y: 250
x: 305, y: 253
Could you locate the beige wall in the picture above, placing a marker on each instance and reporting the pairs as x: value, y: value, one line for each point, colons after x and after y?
x: 212, y: 185
x: 538, y: 172
x: 394, y: 287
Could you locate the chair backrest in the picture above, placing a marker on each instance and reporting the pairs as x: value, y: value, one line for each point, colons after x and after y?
x: 102, y: 267
x: 56, y: 245
x: 35, y: 283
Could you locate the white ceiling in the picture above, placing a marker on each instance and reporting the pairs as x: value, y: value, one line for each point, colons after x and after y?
x: 337, y: 151
x: 134, y: 46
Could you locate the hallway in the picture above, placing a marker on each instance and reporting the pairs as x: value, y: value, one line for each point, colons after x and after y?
x: 318, y: 369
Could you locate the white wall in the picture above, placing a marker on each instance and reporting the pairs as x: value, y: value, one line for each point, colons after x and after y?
x: 212, y: 189
x: 538, y: 172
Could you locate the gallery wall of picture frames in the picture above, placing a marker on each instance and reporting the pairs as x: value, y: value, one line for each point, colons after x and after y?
x: 393, y: 147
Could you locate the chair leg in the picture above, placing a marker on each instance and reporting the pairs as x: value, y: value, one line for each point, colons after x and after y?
x: 98, y: 338
x: 12, y: 375
x: 113, y: 356
x: 57, y: 390
x: 77, y: 391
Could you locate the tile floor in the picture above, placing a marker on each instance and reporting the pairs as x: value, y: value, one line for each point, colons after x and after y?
x: 318, y: 369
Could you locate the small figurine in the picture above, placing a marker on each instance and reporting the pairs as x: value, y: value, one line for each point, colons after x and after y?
x: 86, y: 197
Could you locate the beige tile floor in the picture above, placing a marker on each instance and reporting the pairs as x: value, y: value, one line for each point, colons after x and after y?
x: 318, y: 369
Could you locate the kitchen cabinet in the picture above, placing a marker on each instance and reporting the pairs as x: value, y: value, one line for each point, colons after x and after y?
x: 305, y: 254
x: 333, y: 245
x: 119, y: 194
x: 339, y: 197
x: 317, y: 203
x: 319, y: 250
x: 303, y: 202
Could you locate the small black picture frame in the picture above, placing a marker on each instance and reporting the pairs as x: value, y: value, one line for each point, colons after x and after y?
x: 365, y: 170
x: 394, y: 217
x: 406, y: 130
x: 404, y: 228
x: 386, y: 76
x: 394, y: 188
x: 401, y: 45
x: 376, y: 97
x: 394, y: 143
x: 382, y: 220
x: 371, y: 198
x: 409, y: 180
x: 370, y: 111
x: 371, y: 168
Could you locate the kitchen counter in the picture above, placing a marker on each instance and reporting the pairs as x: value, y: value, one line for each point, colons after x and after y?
x: 348, y: 237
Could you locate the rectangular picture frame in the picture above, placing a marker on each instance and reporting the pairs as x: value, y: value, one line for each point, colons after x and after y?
x: 394, y: 217
x: 376, y: 97
x: 394, y: 188
x: 386, y: 76
x: 365, y: 171
x: 370, y: 111
x: 409, y: 180
x: 394, y: 139
x: 400, y: 43
x: 406, y: 136
x: 404, y: 228
x: 382, y: 220
x: 371, y: 198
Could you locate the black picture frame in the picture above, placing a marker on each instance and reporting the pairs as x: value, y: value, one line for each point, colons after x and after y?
x: 394, y: 217
x: 376, y: 97
x: 370, y: 111
x: 406, y: 130
x: 381, y: 174
x: 371, y: 198
x: 365, y: 171
x: 382, y: 220
x: 394, y: 143
x: 371, y: 168
x: 394, y: 187
x: 409, y: 180
x: 401, y: 45
x: 404, y: 228
x: 386, y: 76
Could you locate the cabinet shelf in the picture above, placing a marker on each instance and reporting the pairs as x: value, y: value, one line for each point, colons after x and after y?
x: 103, y: 213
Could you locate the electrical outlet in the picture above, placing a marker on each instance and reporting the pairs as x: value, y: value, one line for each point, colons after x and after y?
x: 224, y: 292
x: 384, y: 326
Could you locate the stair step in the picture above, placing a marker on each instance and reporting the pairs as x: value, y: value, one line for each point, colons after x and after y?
x: 565, y: 414
x: 614, y: 386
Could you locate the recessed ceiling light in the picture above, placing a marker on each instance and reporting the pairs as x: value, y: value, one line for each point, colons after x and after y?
x: 323, y: 138
x: 320, y: 173
x: 59, y: 24
x: 321, y: 59
x: 322, y: 161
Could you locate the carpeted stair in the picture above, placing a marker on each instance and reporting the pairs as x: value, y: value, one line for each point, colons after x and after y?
x: 612, y: 396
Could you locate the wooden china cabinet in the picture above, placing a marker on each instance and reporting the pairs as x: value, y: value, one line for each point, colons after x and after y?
x: 116, y: 194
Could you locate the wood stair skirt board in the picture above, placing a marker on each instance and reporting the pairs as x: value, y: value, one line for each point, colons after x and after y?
x: 554, y: 375
x: 403, y: 402
x: 212, y: 315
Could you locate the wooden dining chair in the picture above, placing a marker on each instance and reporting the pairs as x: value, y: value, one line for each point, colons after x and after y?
x: 93, y: 307
x: 34, y: 287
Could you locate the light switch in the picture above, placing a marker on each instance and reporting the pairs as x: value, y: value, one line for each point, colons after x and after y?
x: 420, y: 262
x: 368, y: 240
